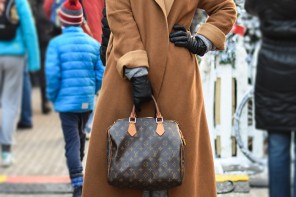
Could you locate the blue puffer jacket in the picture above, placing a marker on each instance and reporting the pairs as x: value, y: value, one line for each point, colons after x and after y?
x: 26, y: 41
x: 74, y: 71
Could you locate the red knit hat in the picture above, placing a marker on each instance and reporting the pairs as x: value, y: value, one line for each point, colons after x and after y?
x: 71, y: 13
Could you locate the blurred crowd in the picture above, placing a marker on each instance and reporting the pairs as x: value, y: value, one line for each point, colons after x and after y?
x: 33, y: 35
x: 60, y: 47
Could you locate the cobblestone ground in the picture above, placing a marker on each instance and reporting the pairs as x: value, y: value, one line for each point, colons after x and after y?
x: 40, y: 152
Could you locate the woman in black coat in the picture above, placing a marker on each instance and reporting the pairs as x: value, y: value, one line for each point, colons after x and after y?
x: 275, y: 88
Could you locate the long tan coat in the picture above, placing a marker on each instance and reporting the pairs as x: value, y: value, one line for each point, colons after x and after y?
x: 141, y: 38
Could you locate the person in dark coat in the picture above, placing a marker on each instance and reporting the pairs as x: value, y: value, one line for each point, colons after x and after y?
x: 275, y: 88
x: 105, y: 35
x: 44, y: 28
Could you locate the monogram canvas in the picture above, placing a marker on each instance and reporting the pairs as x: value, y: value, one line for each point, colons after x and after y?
x: 145, y: 161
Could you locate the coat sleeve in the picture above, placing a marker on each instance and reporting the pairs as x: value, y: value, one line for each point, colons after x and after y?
x: 29, y: 33
x: 52, y: 72
x: 127, y: 45
x: 47, y: 7
x: 222, y: 16
x: 93, y: 13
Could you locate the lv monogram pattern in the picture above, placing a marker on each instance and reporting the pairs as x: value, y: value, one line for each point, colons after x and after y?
x: 145, y: 161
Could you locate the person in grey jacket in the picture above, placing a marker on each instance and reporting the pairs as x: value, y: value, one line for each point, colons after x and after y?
x: 275, y: 88
x: 12, y: 57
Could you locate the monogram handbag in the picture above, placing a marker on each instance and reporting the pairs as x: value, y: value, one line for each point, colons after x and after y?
x: 145, y: 153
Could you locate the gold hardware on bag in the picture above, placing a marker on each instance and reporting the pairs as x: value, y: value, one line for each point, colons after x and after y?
x: 132, y: 130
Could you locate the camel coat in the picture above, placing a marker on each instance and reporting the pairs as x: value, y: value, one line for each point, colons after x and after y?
x: 140, y: 37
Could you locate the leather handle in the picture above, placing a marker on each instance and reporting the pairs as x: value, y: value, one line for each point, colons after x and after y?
x: 158, y: 114
x: 159, y: 121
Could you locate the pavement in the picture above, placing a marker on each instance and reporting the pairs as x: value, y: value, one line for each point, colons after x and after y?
x: 40, y: 166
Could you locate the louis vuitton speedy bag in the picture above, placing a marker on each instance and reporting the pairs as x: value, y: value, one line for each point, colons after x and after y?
x: 145, y: 153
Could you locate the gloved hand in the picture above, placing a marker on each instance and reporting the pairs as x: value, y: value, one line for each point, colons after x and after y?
x: 141, y: 90
x: 182, y: 38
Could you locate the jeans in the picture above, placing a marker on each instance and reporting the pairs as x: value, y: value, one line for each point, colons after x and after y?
x: 88, y: 125
x: 73, y: 129
x: 26, y: 108
x: 279, y: 164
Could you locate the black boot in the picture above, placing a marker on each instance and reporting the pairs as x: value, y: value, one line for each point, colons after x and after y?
x: 45, y: 106
x: 77, y: 192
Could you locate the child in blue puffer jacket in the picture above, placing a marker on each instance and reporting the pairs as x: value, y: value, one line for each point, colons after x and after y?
x: 74, y: 74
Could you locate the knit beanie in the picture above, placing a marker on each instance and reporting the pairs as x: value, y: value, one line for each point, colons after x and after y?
x: 71, y: 13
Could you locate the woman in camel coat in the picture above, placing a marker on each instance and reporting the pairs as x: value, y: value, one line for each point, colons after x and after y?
x: 141, y: 38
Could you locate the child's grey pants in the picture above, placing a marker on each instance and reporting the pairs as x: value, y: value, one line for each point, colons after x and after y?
x: 11, y: 84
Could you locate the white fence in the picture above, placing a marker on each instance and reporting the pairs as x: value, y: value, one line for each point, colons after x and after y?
x: 224, y: 86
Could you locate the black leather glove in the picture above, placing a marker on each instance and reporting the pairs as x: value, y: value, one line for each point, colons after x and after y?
x: 141, y: 91
x: 182, y: 38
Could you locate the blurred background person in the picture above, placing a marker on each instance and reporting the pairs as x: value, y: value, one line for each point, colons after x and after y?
x: 275, y: 88
x: 105, y: 35
x: 91, y: 25
x: 74, y: 74
x: 93, y: 15
x: 18, y: 39
x: 43, y: 26
x: 50, y: 8
x: 93, y: 10
x: 25, y: 119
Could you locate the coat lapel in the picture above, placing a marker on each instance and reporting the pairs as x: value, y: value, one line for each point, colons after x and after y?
x: 162, y: 6
x: 168, y: 5
x: 165, y: 6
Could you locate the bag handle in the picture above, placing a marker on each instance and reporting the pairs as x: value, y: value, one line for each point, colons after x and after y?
x: 159, y: 121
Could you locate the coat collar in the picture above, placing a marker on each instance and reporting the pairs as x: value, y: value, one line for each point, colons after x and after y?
x: 169, y: 5
x: 165, y: 6
x: 72, y: 29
